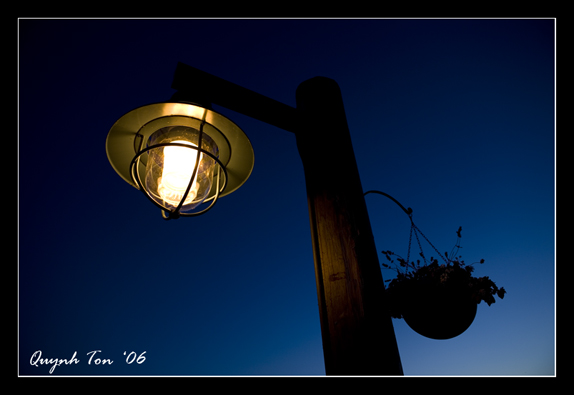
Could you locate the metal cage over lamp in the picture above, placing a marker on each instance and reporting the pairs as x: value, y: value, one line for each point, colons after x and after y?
x: 180, y: 155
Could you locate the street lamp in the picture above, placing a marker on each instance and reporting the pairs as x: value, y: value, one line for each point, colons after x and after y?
x: 147, y: 143
x: 180, y: 155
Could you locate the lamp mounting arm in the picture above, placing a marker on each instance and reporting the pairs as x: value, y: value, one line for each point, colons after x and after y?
x: 197, y: 83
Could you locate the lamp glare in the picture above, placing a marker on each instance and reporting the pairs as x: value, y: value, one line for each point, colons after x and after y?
x: 178, y: 166
x: 172, y: 168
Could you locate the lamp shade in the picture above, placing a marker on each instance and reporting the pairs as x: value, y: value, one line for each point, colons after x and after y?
x: 180, y: 153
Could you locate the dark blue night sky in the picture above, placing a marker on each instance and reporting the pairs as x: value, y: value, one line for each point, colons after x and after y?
x: 453, y: 118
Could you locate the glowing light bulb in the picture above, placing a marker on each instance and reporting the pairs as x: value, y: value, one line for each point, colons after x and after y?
x: 170, y: 168
x: 178, y: 166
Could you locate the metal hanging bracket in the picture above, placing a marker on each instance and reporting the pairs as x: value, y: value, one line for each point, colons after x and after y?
x: 409, y: 210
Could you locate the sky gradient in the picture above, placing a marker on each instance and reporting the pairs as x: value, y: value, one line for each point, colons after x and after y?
x: 453, y: 118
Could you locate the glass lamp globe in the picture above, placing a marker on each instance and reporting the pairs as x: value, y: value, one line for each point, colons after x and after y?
x: 180, y: 171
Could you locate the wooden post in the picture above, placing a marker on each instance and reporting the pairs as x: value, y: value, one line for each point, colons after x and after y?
x: 358, y: 335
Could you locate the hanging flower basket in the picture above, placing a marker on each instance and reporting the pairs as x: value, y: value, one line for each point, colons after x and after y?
x: 437, y: 301
x: 439, y: 312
